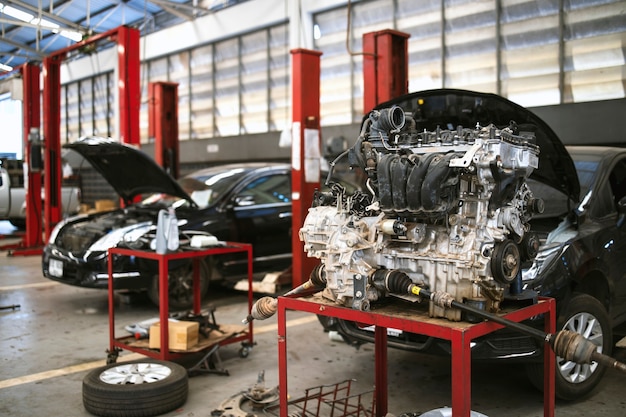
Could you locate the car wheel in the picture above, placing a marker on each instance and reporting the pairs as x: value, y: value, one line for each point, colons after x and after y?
x: 587, y: 316
x: 180, y: 285
x: 18, y: 223
x: 138, y: 388
x: 328, y: 323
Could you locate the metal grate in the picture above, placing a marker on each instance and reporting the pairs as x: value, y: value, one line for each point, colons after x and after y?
x: 332, y: 400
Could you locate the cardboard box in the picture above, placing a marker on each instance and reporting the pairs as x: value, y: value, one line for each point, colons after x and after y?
x: 105, y: 205
x: 183, y: 335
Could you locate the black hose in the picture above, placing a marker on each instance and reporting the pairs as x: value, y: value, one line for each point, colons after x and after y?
x: 393, y: 281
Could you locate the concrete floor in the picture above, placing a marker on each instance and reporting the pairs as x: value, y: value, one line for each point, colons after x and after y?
x: 59, y: 333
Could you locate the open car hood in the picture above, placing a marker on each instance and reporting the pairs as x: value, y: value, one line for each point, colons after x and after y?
x: 127, y: 169
x: 449, y: 108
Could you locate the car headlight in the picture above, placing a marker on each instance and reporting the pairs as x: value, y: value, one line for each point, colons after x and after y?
x: 127, y: 234
x: 546, y: 256
x: 56, y: 229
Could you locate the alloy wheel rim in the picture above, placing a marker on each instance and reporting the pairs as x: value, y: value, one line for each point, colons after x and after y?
x: 135, y: 374
x: 588, y: 326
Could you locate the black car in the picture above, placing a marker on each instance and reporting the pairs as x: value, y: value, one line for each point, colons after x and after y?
x: 248, y: 202
x: 581, y: 259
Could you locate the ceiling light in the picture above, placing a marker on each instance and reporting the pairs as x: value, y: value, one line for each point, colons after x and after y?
x: 6, y: 68
x: 17, y: 14
x: 70, y: 34
x: 46, y: 24
x: 43, y: 23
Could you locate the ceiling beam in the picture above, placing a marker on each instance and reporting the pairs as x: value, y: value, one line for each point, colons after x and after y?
x: 168, y: 5
x: 50, y: 16
x: 169, y: 8
x: 21, y: 46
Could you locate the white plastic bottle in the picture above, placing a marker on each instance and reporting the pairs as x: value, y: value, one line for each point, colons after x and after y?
x: 172, y: 231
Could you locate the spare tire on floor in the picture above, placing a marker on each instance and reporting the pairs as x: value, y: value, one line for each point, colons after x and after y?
x: 138, y: 388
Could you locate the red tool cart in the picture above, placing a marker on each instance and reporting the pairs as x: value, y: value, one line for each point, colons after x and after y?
x: 129, y: 343
x: 460, y: 334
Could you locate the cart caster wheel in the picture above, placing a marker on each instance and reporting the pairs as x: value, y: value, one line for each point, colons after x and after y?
x: 112, y: 356
x: 244, y: 352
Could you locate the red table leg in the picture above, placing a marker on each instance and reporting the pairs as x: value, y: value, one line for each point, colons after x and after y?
x: 282, y: 359
x: 381, y: 371
x: 549, y: 364
x: 461, y: 375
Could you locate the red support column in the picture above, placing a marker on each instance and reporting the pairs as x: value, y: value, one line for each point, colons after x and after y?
x: 305, y: 156
x: 31, y: 115
x: 129, y: 102
x: 163, y: 125
x: 385, y: 67
x: 52, y: 140
x: 128, y: 84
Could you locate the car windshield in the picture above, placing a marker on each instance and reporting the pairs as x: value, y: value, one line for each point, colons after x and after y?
x: 204, y: 188
x: 586, y: 169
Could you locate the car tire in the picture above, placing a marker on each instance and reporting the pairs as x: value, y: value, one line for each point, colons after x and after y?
x: 180, y: 283
x: 135, y: 389
x: 587, y: 316
x: 18, y: 223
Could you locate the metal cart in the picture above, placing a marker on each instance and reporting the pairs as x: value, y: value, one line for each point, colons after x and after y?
x: 460, y: 334
x: 116, y: 344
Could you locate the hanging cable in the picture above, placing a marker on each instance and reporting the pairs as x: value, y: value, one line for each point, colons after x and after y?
x: 349, y: 33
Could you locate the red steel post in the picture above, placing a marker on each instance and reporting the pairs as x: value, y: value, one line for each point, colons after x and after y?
x: 385, y: 66
x: 52, y: 140
x: 163, y: 125
x: 31, y: 116
x: 128, y: 84
x: 306, y: 153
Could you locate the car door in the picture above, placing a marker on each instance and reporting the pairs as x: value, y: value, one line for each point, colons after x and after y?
x: 262, y: 210
x: 609, y: 241
x: 616, y: 244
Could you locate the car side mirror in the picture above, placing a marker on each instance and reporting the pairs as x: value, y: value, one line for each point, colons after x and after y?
x: 621, y: 211
x: 244, y: 201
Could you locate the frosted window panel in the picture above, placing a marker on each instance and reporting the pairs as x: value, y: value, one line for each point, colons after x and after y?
x: 72, y: 112
x: 103, y: 103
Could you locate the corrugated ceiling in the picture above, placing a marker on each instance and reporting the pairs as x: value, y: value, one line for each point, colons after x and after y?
x: 32, y: 29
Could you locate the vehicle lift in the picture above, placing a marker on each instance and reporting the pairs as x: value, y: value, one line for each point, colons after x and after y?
x: 31, y: 242
x: 127, y: 40
x: 163, y: 125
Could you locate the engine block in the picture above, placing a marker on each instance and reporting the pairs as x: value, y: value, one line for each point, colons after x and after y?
x: 447, y: 208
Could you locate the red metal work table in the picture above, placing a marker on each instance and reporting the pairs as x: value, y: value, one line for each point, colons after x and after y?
x: 460, y: 334
x: 195, y: 254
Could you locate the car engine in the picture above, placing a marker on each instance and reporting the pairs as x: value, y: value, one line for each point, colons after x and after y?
x: 449, y: 209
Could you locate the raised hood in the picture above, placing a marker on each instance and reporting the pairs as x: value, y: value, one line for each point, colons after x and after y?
x: 449, y: 108
x: 127, y: 169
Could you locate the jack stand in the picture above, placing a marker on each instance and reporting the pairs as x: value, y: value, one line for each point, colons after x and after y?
x: 208, y: 363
